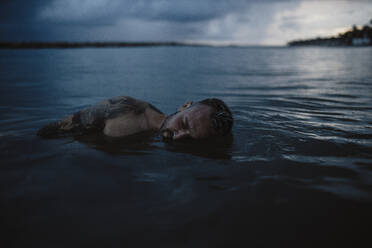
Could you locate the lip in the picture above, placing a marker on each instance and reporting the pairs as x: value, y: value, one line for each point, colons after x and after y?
x: 167, y: 134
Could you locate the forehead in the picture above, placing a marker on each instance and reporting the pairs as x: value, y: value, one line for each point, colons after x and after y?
x: 196, y: 119
x: 197, y: 112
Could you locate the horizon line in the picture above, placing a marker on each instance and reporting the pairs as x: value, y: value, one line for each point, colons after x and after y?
x: 112, y: 44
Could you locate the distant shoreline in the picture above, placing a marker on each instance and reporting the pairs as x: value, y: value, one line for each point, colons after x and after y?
x: 102, y: 44
x: 40, y: 45
x: 77, y: 45
x: 354, y: 37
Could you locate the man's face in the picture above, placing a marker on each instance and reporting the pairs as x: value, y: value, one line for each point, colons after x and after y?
x: 192, y: 122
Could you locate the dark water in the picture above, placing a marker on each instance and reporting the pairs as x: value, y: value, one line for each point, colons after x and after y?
x: 298, y: 171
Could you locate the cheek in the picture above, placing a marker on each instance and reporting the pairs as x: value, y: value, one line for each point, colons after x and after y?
x: 175, y: 124
x: 202, y: 131
x: 168, y: 123
x: 172, y: 125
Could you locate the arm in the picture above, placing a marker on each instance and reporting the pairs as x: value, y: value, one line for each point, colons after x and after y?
x: 64, y: 127
x: 94, y: 118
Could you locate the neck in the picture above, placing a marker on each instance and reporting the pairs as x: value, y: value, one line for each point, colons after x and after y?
x: 163, y: 122
x: 155, y: 120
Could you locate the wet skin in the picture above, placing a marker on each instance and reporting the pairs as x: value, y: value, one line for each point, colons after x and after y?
x: 191, y: 122
x: 123, y: 116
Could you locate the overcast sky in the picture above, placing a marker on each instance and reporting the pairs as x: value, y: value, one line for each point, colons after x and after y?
x: 262, y: 22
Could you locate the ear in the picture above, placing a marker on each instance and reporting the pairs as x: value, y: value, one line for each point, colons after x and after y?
x: 185, y: 106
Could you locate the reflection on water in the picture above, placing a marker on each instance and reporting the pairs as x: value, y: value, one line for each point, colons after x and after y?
x: 149, y: 142
x: 218, y: 148
x: 299, y: 160
x: 138, y: 144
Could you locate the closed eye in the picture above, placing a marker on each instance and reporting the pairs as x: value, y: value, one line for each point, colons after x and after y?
x: 185, y: 124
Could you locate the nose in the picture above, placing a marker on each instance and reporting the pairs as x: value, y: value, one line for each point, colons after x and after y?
x: 180, y: 134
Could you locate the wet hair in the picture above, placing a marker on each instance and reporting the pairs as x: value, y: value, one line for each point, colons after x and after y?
x: 222, y: 119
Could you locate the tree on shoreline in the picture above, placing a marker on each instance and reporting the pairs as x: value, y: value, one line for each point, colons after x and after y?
x: 355, y: 36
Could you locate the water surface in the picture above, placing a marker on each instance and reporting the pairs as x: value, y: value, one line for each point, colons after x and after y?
x: 297, y: 171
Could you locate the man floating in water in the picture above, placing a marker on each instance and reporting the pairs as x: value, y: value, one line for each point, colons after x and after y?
x: 122, y: 116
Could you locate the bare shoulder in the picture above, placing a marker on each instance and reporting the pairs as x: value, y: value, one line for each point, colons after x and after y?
x: 120, y: 115
x: 134, y: 116
x: 111, y: 108
x: 122, y: 105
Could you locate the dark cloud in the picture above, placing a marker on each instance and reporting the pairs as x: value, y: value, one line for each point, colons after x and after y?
x: 189, y: 11
x: 49, y: 20
x: 224, y: 20
x: 45, y: 19
x: 19, y: 11
x: 159, y: 10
